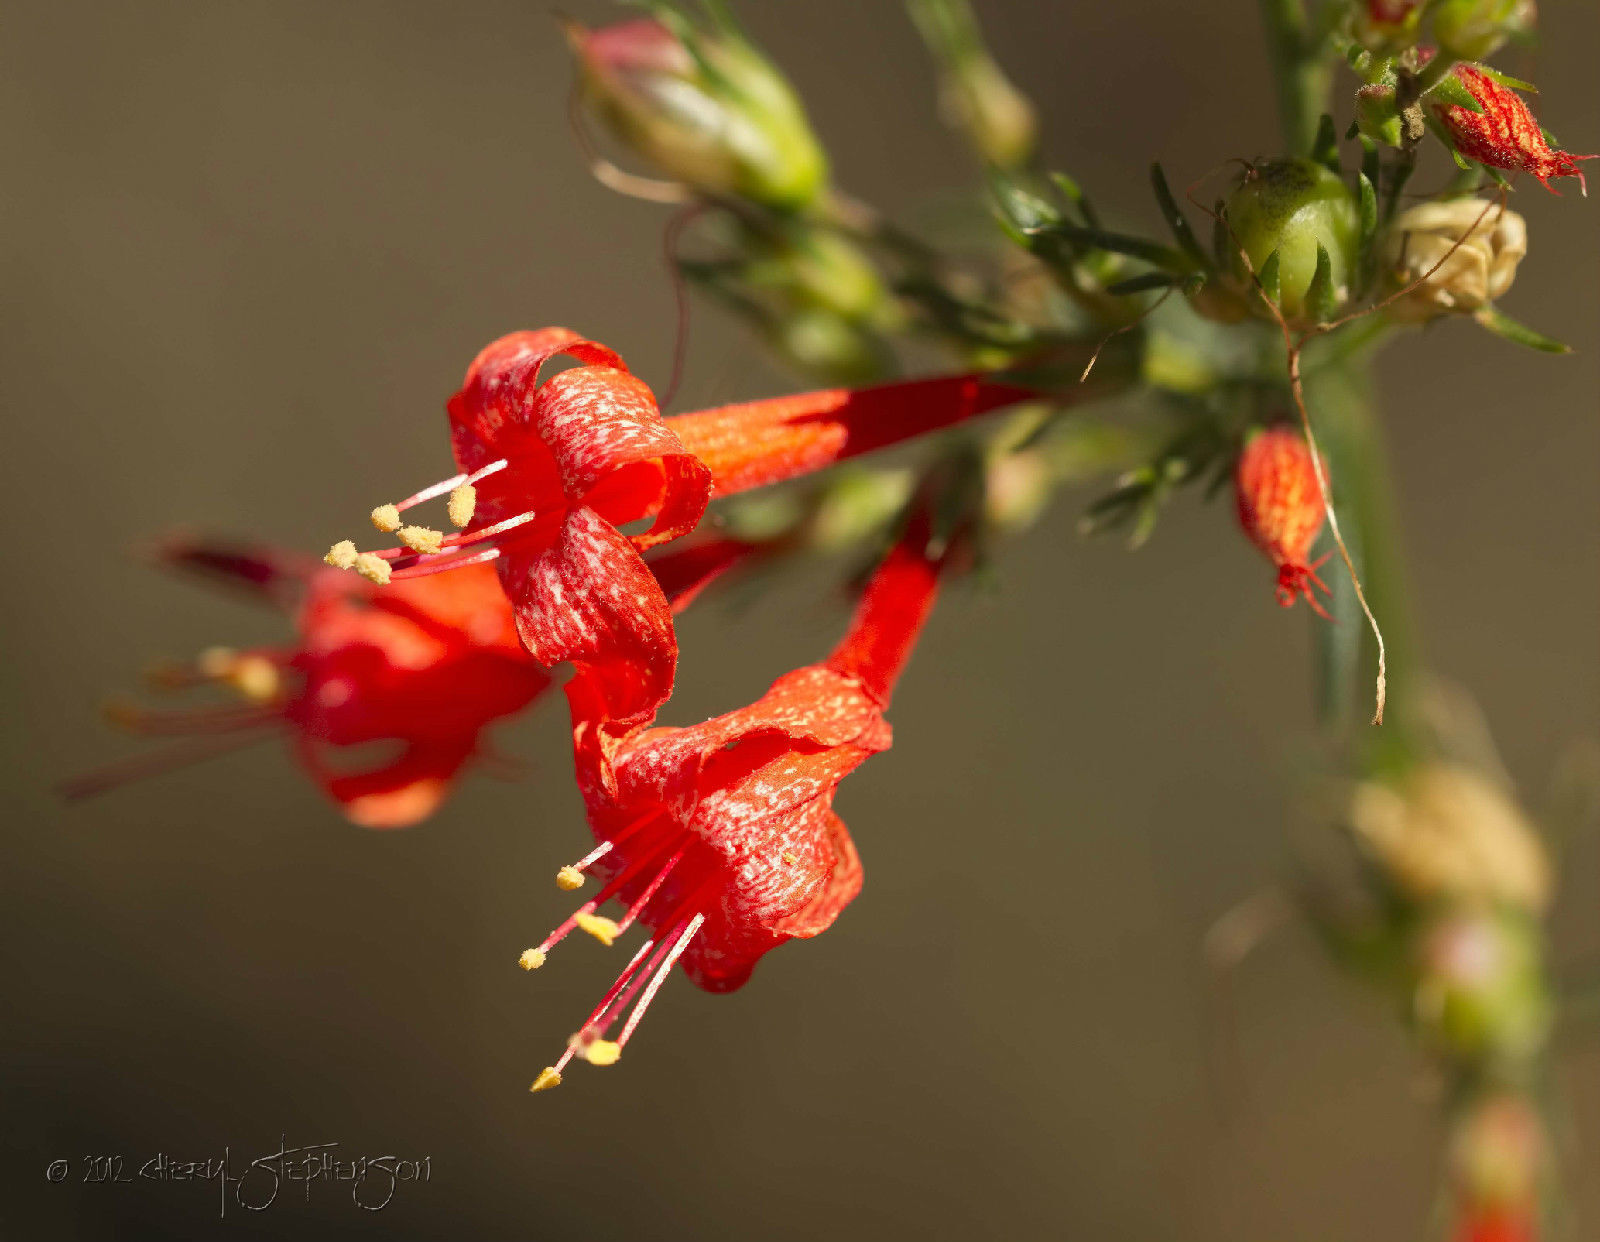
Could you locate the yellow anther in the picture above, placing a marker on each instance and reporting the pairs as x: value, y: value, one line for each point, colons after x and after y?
x: 790, y: 857
x: 601, y: 928
x: 216, y: 662
x: 342, y: 555
x: 421, y: 539
x: 600, y: 1052
x: 531, y: 959
x: 463, y: 500
x: 547, y: 1078
x: 386, y: 518
x: 255, y: 677
x: 373, y: 568
x: 569, y: 878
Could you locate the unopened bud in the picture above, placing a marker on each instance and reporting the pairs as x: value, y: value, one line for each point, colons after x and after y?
x: 716, y: 116
x: 1294, y: 209
x: 1476, y: 29
x: 1423, y: 246
x: 1378, y: 114
x: 1479, y: 993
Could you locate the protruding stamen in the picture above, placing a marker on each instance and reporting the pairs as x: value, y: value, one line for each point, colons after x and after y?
x: 421, y: 539
x: 462, y: 504
x: 601, y: 1052
x: 531, y: 959
x: 660, y: 977
x: 450, y: 484
x: 342, y: 555
x: 598, y: 926
x: 548, y: 1077
x: 373, y: 568
x: 386, y: 518
x: 421, y: 569
x: 568, y: 879
x: 637, y: 907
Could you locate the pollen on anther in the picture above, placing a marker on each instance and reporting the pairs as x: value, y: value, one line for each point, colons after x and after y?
x: 548, y: 1077
x: 421, y: 539
x: 342, y: 555
x: 372, y: 568
x: 531, y: 959
x: 462, y: 503
x: 216, y: 662
x: 600, y: 1052
x: 569, y: 878
x: 386, y: 518
x: 598, y: 926
x: 255, y: 677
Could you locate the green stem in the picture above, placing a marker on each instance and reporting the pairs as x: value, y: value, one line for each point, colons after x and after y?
x: 1339, y: 394
x: 1303, y: 76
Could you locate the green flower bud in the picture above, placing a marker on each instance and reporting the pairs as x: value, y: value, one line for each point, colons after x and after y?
x: 1378, y: 115
x: 1292, y: 209
x: 1479, y: 989
x: 975, y: 95
x: 709, y: 111
x: 1475, y: 29
x: 818, y: 269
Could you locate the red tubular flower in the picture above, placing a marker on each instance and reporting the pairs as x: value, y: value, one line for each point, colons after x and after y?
x: 1280, y: 508
x: 550, y: 468
x: 1498, y: 1225
x: 421, y: 666
x: 1505, y: 134
x: 424, y: 665
x: 721, y: 838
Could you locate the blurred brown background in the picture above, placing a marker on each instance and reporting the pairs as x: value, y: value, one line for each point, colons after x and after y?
x: 248, y: 249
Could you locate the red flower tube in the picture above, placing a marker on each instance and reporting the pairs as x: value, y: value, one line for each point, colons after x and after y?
x: 721, y: 839
x: 1505, y: 134
x: 550, y: 468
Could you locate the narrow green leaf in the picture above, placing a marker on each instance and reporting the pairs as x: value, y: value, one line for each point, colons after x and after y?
x: 1176, y: 220
x: 1325, y: 150
x: 1117, y: 243
x: 1024, y: 210
x: 1074, y: 195
x: 1268, y: 276
x: 1520, y: 334
x: 1322, y: 299
x: 1451, y: 90
x: 1139, y: 284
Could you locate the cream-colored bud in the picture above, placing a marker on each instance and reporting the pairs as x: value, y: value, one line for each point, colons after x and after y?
x: 1445, y: 831
x: 1494, y: 240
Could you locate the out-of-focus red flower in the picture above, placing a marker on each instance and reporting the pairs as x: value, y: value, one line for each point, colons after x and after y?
x: 1498, y: 1225
x: 552, y: 467
x: 416, y: 669
x: 721, y: 838
x: 1390, y: 12
x: 384, y: 694
x: 1505, y: 134
x: 1280, y: 508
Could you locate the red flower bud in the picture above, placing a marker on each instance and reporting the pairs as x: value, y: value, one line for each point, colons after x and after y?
x: 1280, y: 508
x: 1505, y: 134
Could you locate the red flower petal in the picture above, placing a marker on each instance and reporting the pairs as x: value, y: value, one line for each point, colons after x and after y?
x: 590, y: 599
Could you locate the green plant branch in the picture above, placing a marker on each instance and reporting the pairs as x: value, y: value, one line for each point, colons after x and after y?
x: 1303, y: 75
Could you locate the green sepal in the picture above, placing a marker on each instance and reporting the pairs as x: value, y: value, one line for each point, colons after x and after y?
x: 1451, y: 90
x: 1520, y: 334
x: 1268, y: 277
x: 1176, y: 220
x: 1322, y: 300
x: 1369, y: 210
x: 1505, y: 79
x: 1325, y: 150
x: 1021, y: 211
